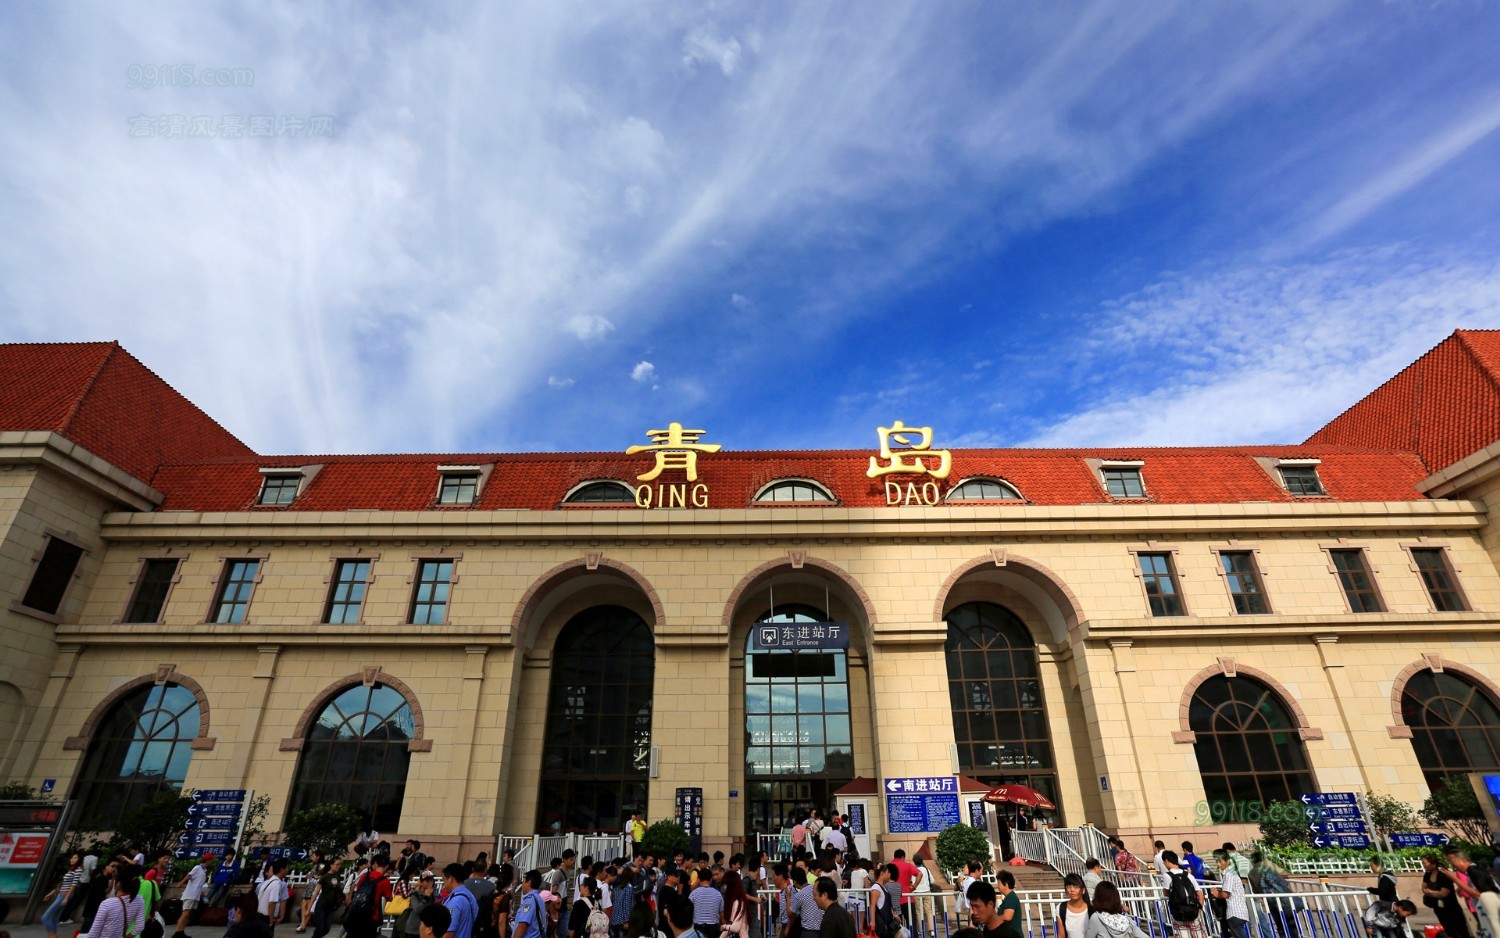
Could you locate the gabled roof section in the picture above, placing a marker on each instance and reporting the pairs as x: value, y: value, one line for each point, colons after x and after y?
x: 101, y: 397
x: 1443, y: 407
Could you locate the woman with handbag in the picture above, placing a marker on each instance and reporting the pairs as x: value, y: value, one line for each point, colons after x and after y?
x: 1441, y: 896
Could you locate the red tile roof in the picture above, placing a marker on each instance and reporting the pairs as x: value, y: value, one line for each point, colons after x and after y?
x: 100, y: 397
x: 1443, y: 407
x: 539, y: 481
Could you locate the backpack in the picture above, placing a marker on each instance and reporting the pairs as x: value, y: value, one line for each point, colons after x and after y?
x: 598, y: 923
x: 1182, y: 899
x: 362, y: 903
x: 885, y: 919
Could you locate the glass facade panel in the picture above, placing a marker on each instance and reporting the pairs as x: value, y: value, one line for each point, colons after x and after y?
x: 1455, y: 725
x: 356, y: 754
x: 1247, y: 745
x: 142, y: 746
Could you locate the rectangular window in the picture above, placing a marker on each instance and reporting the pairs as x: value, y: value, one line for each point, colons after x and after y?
x: 429, y: 599
x: 235, y: 588
x: 280, y: 489
x: 1245, y: 586
x: 1123, y: 482
x: 1163, y: 591
x: 151, y: 591
x: 458, y: 488
x: 1302, y: 480
x: 347, y: 597
x: 1437, y: 575
x: 53, y: 573
x: 1357, y: 580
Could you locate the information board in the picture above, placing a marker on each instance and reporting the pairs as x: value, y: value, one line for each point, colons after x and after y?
x: 976, y: 816
x: 922, y: 804
x: 856, y: 812
x: 690, y: 815
x: 800, y: 636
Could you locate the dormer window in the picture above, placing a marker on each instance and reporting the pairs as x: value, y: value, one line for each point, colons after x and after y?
x: 460, y: 485
x: 280, y: 486
x: 983, y: 490
x: 794, y: 490
x: 1301, y: 477
x: 1122, y: 479
x: 601, y: 492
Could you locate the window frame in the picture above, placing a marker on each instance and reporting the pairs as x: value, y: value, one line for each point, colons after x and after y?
x: 567, y: 499
x: 138, y: 582
x: 1370, y: 570
x: 1284, y: 466
x: 1257, y: 574
x: 759, y: 497
x: 308, y: 774
x: 48, y: 536
x: 415, y: 582
x: 1445, y: 552
x: 481, y: 474
x: 222, y: 581
x: 1138, y: 466
x: 1019, y: 499
x: 1209, y: 735
x: 1174, y: 571
x: 332, y: 583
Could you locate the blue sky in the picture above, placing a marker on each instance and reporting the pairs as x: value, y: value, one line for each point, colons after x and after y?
x: 554, y: 226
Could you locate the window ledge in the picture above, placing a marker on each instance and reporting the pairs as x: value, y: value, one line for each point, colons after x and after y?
x: 18, y: 606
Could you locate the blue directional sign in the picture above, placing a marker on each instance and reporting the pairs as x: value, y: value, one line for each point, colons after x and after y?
x: 1419, y: 840
x: 1351, y: 841
x: 1336, y: 812
x: 1329, y: 798
x: 206, y: 839
x: 932, y: 783
x: 290, y: 853
x: 1337, y: 827
x: 921, y: 805
x: 219, y: 794
x: 190, y: 853
x: 812, y: 636
x: 212, y: 823
x: 48, y: 784
x: 215, y: 808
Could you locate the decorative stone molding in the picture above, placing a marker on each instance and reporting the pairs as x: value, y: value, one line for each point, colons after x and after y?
x: 761, y: 572
x: 164, y: 674
x: 592, y: 562
x: 1228, y: 667
x: 1437, y: 664
x: 368, y: 676
x: 1028, y: 569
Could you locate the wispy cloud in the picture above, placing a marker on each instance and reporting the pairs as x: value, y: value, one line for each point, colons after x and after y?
x: 643, y: 373
x: 553, y: 381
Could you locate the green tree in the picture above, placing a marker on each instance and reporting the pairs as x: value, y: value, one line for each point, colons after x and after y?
x: 328, y: 827
x: 255, y: 821
x: 664, y: 838
x: 156, y: 824
x: 1454, y: 807
x: 17, y: 791
x: 1284, y: 824
x: 957, y: 845
x: 1389, y: 815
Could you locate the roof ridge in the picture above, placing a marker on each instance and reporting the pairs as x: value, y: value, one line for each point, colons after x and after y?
x: 114, y: 346
x: 1381, y: 386
x: 1463, y: 339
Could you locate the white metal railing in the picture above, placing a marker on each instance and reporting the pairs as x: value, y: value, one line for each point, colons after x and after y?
x: 1341, y: 866
x: 1331, y: 912
x: 537, y: 850
x: 777, y: 846
x: 1030, y: 845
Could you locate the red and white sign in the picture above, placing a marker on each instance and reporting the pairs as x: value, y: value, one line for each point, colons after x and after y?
x: 23, y: 850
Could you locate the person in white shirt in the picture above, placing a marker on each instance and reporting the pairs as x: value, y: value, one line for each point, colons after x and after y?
x: 971, y: 875
x: 1158, y: 866
x: 271, y: 895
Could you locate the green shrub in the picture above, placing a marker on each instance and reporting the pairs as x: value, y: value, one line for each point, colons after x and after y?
x: 665, y: 838
x: 957, y: 845
x: 1284, y: 824
x: 156, y: 824
x: 1454, y: 807
x: 327, y: 827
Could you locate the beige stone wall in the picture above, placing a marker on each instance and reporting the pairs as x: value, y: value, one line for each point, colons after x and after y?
x: 1113, y: 677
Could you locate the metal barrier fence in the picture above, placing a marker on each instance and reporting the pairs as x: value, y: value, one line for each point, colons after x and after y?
x: 537, y: 850
x: 1326, y: 912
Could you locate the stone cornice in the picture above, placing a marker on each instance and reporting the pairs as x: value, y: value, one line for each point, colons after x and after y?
x: 45, y: 448
x: 1464, y: 474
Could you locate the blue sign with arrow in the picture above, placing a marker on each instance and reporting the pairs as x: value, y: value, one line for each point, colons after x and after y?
x: 218, y: 794
x: 212, y: 823
x: 214, y: 808
x: 1350, y: 841
x: 290, y: 853
x: 1419, y: 840
x: 1340, y: 812
x: 207, y: 839
x: 1337, y: 827
x: 1329, y: 798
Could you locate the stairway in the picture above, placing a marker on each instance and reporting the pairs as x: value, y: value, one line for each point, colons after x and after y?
x: 1035, y: 876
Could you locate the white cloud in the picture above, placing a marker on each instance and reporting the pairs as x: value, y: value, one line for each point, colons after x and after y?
x: 589, y: 328
x: 553, y: 381
x: 740, y: 302
x: 701, y: 46
x: 1267, y: 354
x: 643, y: 372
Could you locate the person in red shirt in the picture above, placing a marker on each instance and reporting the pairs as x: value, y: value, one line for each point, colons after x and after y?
x: 158, y: 872
x: 378, y: 884
x: 908, y: 873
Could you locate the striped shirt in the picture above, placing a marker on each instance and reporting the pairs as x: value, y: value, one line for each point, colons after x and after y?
x: 805, y: 907
x: 111, y: 919
x: 1234, y: 888
x: 708, y: 905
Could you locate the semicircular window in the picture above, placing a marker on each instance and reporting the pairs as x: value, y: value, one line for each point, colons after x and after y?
x: 794, y: 490
x: 605, y: 491
x: 1455, y: 726
x: 142, y: 746
x: 356, y: 754
x: 1247, y: 744
x: 983, y: 490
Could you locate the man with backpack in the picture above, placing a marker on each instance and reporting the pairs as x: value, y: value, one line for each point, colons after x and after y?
x: 1184, y: 900
x: 367, y: 899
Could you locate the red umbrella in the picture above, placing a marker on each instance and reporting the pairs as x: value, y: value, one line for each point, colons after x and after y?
x: 1019, y: 794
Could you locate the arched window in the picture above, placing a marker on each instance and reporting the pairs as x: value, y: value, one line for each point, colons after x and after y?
x: 995, y: 690
x: 604, y: 491
x: 794, y: 490
x: 356, y: 753
x: 597, y: 752
x: 1247, y: 743
x: 1455, y: 726
x: 141, y: 747
x: 798, y: 738
x: 983, y: 490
